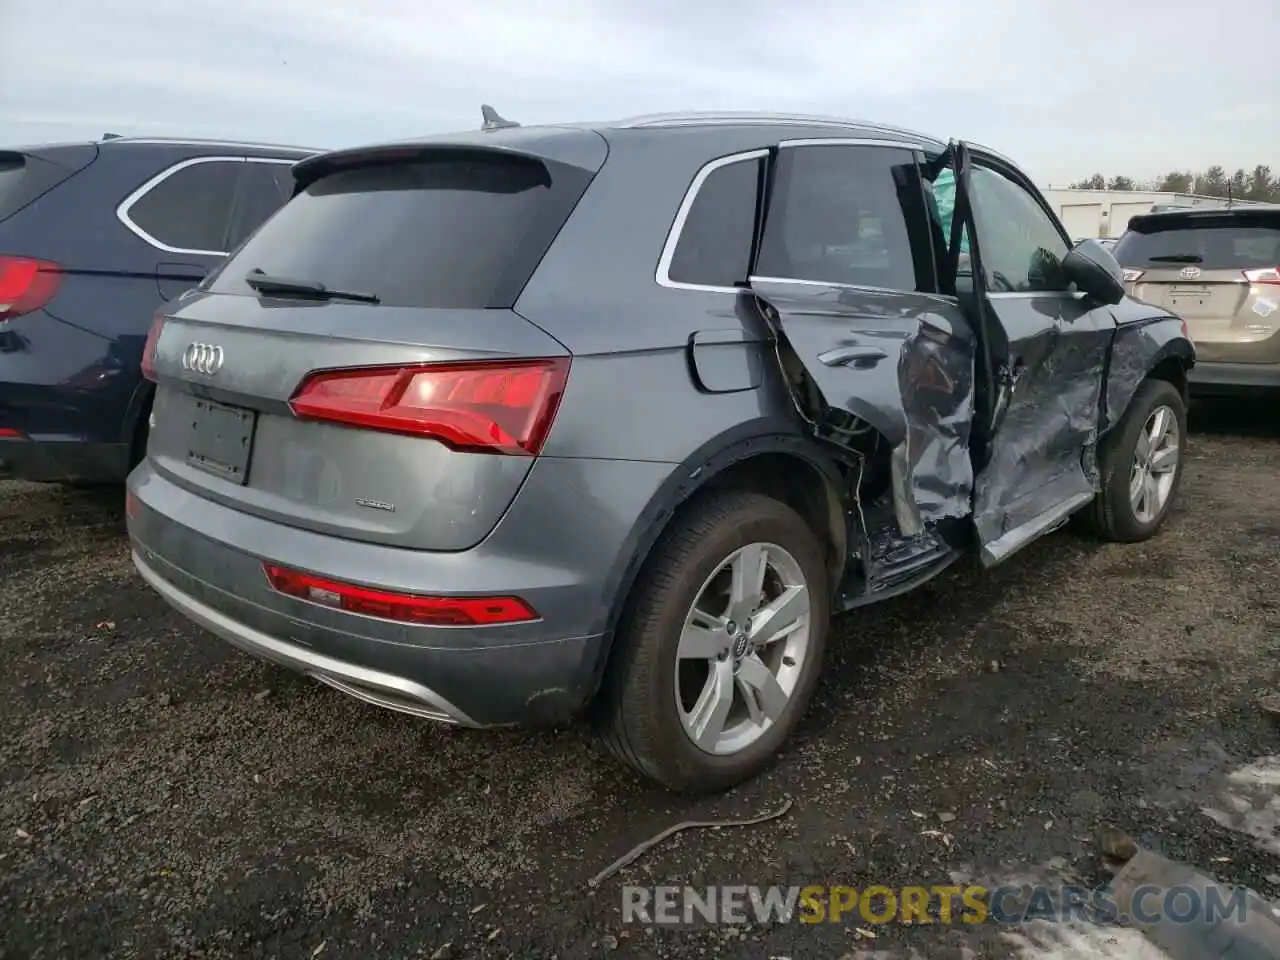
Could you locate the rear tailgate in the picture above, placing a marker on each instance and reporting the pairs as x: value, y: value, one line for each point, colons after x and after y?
x: 421, y: 457
x: 1197, y: 265
x: 373, y: 485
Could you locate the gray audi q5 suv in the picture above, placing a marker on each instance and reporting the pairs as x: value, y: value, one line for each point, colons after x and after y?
x: 610, y: 419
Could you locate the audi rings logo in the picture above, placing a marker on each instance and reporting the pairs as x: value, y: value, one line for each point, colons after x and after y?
x: 202, y: 358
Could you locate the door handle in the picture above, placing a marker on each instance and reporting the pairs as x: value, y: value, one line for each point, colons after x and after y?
x: 843, y: 356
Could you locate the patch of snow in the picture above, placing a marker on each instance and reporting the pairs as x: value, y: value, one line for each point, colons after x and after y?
x: 1249, y: 803
x: 1040, y: 940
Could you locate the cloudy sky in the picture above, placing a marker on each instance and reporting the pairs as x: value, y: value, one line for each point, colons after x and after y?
x: 1112, y: 86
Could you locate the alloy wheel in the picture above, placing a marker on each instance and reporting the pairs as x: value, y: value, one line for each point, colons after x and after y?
x: 742, y: 648
x: 1155, y: 465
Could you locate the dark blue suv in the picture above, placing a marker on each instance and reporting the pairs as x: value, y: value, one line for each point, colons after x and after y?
x: 94, y: 238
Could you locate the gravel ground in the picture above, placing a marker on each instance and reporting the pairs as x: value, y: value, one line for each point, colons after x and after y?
x: 163, y: 795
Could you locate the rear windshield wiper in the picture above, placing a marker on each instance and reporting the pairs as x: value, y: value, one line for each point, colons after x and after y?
x: 1177, y: 258
x: 266, y: 283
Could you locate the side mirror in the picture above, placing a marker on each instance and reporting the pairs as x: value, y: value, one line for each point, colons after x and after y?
x: 1095, y: 272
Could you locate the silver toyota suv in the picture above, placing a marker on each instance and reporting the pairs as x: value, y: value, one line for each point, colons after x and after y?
x: 519, y: 424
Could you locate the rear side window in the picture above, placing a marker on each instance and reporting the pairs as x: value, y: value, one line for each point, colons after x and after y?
x: 714, y: 248
x: 189, y: 210
x: 1209, y: 243
x: 458, y: 231
x: 847, y: 215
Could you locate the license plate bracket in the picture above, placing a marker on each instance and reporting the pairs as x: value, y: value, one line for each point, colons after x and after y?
x: 1187, y: 295
x: 221, y: 439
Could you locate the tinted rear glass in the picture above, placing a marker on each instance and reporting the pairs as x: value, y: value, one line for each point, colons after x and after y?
x: 452, y: 231
x: 715, y: 244
x: 1210, y: 245
x: 840, y: 214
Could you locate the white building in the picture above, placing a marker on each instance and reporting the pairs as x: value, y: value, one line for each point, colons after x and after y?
x: 1106, y: 213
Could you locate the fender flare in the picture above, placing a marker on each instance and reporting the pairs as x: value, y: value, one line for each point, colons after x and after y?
x: 765, y: 436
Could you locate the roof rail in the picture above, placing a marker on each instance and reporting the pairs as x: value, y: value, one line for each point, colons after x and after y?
x: 213, y: 141
x: 743, y: 117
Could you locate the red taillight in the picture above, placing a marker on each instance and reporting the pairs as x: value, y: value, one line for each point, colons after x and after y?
x: 26, y: 285
x: 484, y: 407
x: 131, y: 507
x: 149, y: 348
x: 403, y: 607
x: 11, y: 433
x: 1265, y: 275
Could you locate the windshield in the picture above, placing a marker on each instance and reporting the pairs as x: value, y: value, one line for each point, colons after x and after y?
x: 1210, y: 247
x: 438, y: 232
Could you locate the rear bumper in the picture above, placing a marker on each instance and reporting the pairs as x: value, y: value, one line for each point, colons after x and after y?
x: 403, y: 679
x: 206, y: 560
x: 64, y: 459
x: 1225, y: 378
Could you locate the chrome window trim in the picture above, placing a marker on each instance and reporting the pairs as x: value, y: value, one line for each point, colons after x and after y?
x: 767, y: 119
x: 1034, y: 294
x: 838, y: 285
x: 663, y: 273
x: 122, y: 211
x: 827, y: 283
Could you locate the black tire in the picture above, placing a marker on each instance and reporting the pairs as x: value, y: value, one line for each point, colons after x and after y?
x: 141, y: 432
x: 1111, y: 516
x: 635, y: 714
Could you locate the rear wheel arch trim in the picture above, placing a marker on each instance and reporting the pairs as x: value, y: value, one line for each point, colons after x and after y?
x: 684, y: 482
x: 1179, y: 349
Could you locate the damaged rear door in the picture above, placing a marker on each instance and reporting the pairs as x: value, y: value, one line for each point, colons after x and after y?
x: 1042, y: 359
x: 881, y: 364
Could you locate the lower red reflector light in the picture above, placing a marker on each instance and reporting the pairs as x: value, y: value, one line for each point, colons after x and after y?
x: 401, y: 607
x: 11, y: 433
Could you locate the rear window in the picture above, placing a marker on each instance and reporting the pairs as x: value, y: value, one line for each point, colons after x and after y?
x: 457, y: 231
x: 1209, y: 243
